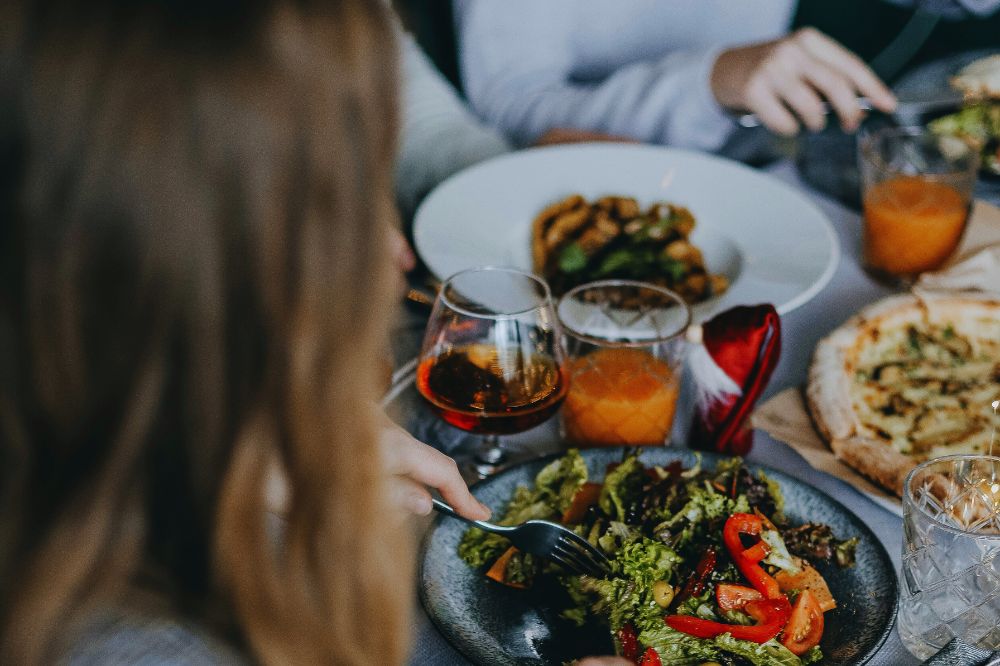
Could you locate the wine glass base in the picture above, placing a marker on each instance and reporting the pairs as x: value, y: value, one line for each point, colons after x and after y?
x: 493, y: 455
x: 484, y: 470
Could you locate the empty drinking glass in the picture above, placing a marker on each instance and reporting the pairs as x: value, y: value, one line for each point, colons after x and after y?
x: 951, y: 554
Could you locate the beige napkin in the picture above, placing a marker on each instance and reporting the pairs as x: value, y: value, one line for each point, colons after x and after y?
x: 975, y: 267
x: 976, y: 264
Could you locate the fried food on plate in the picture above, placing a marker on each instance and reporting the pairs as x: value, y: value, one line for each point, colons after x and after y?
x: 574, y: 241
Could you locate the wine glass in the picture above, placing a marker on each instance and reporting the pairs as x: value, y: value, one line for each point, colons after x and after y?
x: 492, y: 361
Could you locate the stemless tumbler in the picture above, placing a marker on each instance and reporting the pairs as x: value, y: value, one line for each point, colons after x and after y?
x: 625, y: 340
x: 916, y: 195
x: 951, y: 554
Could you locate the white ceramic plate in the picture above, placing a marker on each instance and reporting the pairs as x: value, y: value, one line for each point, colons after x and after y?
x: 773, y: 243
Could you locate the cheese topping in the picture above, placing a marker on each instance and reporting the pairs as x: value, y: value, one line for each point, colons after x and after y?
x: 926, y: 389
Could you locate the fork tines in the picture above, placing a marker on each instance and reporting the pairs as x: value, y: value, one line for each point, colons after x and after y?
x: 575, y: 553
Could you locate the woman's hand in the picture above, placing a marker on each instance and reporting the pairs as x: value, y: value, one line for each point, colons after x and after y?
x: 786, y: 81
x: 415, y: 467
x: 402, y: 253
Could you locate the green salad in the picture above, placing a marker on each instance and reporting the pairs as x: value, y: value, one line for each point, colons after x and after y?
x: 979, y: 123
x: 704, y: 566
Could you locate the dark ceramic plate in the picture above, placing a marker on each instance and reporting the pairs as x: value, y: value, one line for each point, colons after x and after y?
x: 493, y: 624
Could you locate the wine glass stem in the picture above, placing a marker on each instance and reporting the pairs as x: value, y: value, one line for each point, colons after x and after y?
x: 491, y: 451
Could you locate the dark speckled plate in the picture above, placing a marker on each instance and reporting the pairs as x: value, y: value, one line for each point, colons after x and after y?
x: 493, y: 624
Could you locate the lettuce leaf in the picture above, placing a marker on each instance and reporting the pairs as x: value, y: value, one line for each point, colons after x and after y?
x: 699, y: 606
x: 778, y: 556
x: 628, y: 596
x: 480, y: 548
x: 813, y: 656
x: 555, y: 486
x: 704, y: 504
x: 677, y: 648
x: 621, y: 487
x: 771, y: 653
x: 559, y: 480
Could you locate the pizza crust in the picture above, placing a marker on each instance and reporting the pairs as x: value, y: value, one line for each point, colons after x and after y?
x: 830, y: 378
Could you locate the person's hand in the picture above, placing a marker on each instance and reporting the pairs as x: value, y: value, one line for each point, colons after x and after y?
x: 414, y: 467
x: 605, y: 661
x: 402, y: 253
x: 785, y: 82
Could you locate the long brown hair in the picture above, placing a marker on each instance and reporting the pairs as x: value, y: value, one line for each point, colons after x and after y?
x: 195, y: 199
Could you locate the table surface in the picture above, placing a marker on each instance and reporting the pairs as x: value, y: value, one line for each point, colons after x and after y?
x: 848, y: 291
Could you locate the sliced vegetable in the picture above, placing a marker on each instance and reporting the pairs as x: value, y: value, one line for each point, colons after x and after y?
x: 749, y: 524
x: 771, y: 616
x: 805, y: 626
x: 696, y: 583
x: 735, y: 597
x: 629, y: 642
x: 807, y: 579
x: 650, y: 658
x: 585, y: 497
x: 498, y: 571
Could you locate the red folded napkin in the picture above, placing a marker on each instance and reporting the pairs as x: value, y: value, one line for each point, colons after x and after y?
x: 731, y: 361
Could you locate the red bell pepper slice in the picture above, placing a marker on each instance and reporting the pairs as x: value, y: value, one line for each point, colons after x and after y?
x: 770, y: 614
x: 651, y: 658
x: 696, y: 583
x: 629, y: 642
x: 747, y: 523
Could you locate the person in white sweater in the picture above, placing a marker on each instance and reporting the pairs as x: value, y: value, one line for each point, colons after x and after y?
x: 660, y: 71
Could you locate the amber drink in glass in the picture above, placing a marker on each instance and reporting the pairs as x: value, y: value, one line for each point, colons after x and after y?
x: 624, y: 339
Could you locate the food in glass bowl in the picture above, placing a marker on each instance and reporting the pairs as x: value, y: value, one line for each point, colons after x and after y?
x: 575, y: 241
x: 705, y: 567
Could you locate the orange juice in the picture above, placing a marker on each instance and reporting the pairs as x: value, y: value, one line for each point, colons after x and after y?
x: 911, y: 224
x: 620, y: 397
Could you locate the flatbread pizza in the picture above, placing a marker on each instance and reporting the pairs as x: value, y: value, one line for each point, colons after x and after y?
x: 908, y: 379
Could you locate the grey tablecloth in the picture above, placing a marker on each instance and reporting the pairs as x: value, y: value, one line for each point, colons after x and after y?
x: 849, y: 289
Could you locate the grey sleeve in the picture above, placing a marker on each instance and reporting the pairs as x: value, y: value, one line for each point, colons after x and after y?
x: 517, y: 57
x: 440, y: 135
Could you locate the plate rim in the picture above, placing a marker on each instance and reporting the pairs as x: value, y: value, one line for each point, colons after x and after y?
x: 833, y: 241
x: 452, y: 637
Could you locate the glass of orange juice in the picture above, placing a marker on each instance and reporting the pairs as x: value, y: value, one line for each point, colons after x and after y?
x: 625, y: 341
x: 916, y: 192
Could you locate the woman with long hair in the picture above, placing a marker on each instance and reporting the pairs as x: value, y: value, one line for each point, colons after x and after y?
x: 196, y: 283
x: 196, y: 278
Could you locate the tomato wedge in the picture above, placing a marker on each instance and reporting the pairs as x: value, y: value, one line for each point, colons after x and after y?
x: 771, y: 616
x: 585, y: 497
x: 650, y: 658
x: 735, y: 597
x: 629, y: 642
x: 805, y: 626
x: 746, y: 559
